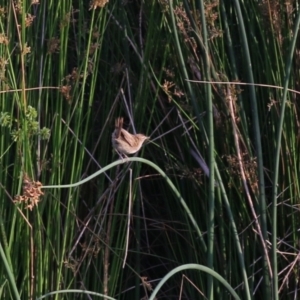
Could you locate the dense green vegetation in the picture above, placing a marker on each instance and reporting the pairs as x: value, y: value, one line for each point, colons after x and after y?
x: 211, y: 202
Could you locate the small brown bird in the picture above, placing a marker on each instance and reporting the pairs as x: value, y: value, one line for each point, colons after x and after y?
x: 125, y: 142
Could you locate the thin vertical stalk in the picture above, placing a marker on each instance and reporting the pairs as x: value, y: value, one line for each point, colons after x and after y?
x: 211, y: 150
x: 10, y: 274
x: 277, y: 157
x: 182, y: 65
x: 258, y: 147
